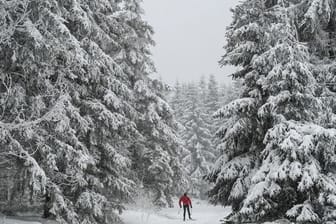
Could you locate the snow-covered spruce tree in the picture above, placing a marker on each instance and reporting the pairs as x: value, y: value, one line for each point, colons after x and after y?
x: 212, y: 101
x: 277, y: 153
x: 69, y: 106
x: 156, y: 159
x: 225, y: 91
x: 234, y: 91
x: 208, y: 101
x: 318, y: 29
x: 197, y: 139
x: 69, y: 132
x: 293, y: 174
x: 242, y: 133
x: 177, y: 100
x: 32, y: 102
x: 154, y: 156
x: 229, y: 92
x: 317, y: 26
x: 207, y: 95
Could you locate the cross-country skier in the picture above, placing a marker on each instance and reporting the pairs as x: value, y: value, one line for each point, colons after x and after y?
x: 186, y: 202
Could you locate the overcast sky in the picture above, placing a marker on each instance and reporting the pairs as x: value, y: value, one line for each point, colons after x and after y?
x: 189, y: 35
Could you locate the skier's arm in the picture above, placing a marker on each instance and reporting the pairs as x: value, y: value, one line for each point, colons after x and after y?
x: 180, y: 202
x: 190, y: 203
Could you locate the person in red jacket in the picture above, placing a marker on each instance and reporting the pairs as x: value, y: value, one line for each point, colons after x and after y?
x: 185, y: 202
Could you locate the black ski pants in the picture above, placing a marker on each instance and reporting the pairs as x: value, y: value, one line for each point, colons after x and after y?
x: 186, y: 207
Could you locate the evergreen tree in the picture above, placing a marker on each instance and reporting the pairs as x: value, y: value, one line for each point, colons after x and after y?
x: 242, y: 134
x: 156, y: 159
x: 212, y: 103
x: 197, y: 137
x: 225, y: 91
x: 76, y: 104
x: 275, y: 143
x: 193, y: 107
x: 160, y: 144
x: 229, y: 92
x: 177, y: 100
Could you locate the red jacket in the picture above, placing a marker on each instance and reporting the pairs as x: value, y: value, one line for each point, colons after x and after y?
x: 185, y: 200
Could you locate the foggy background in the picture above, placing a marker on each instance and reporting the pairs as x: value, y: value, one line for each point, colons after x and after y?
x: 189, y: 36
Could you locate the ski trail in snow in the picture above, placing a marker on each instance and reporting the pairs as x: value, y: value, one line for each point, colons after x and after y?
x: 202, y: 213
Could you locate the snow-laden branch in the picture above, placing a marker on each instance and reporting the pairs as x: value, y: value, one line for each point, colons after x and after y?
x: 48, y: 116
x: 8, y: 23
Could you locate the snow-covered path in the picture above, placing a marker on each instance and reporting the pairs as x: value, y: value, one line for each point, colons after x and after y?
x: 202, y: 212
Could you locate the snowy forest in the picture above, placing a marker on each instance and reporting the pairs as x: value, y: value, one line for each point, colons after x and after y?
x: 193, y: 105
x: 85, y: 129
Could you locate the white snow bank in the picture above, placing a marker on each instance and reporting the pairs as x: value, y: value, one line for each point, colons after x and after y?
x: 24, y: 220
x: 15, y: 221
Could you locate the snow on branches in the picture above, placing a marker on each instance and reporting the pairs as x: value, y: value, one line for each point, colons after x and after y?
x: 278, y: 144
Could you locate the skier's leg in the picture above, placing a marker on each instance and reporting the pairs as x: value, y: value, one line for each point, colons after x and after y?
x: 188, y: 211
x: 184, y: 212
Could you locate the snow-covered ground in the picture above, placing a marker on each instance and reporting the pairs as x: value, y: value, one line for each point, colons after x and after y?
x: 24, y: 220
x: 15, y: 221
x: 202, y: 213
